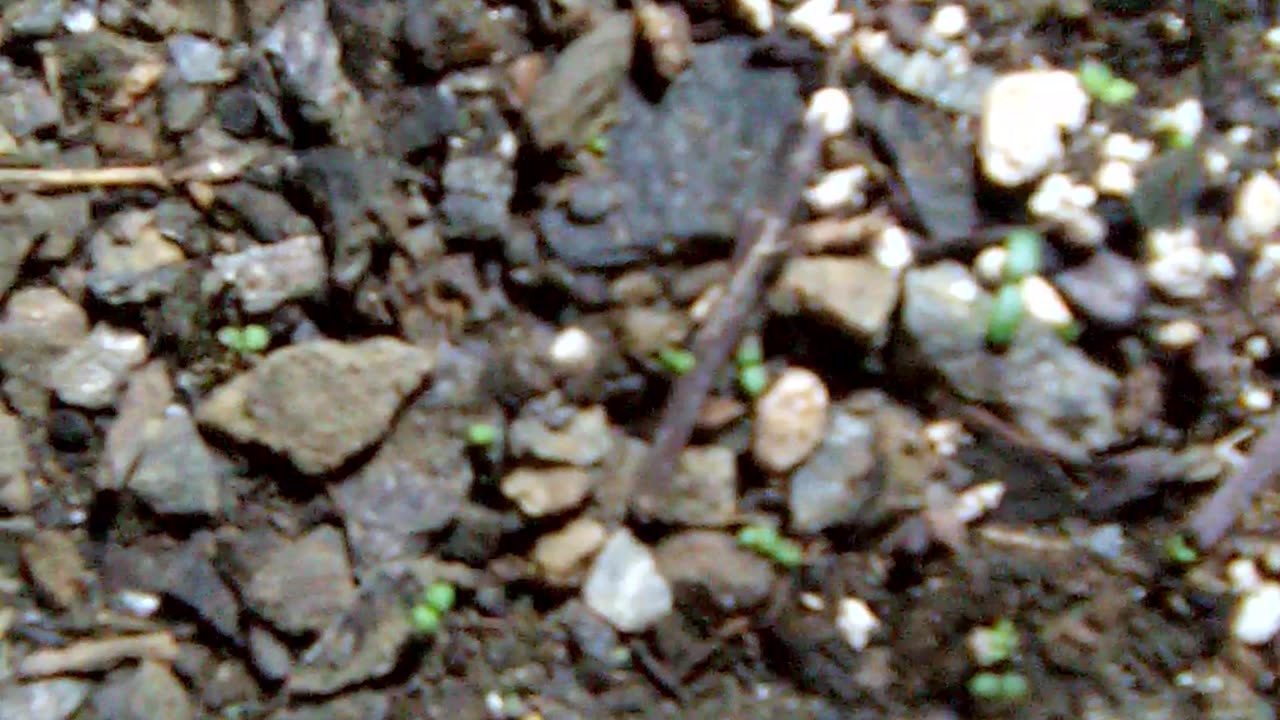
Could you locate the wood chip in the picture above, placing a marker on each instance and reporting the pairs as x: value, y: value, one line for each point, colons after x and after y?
x: 99, y: 655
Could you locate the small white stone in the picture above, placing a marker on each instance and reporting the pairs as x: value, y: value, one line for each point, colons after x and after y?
x: 1178, y: 334
x: 1255, y: 398
x: 1257, y: 211
x: 1042, y: 301
x: 1243, y: 575
x: 1220, y: 265
x: 856, y: 622
x: 837, y: 189
x: 790, y: 420
x: 988, y: 266
x: 624, y: 585
x: 819, y: 20
x: 1177, y: 265
x: 573, y: 349
x: 977, y: 501
x: 1240, y: 135
x: 758, y: 14
x: 1116, y: 177
x: 1272, y: 38
x: 833, y: 109
x: 1023, y: 117
x: 1216, y: 165
x: 949, y: 21
x: 1257, y: 617
x: 892, y: 248
x: 1258, y: 347
x: 946, y: 436
x: 1057, y: 197
x: 1184, y: 119
x: 1122, y: 146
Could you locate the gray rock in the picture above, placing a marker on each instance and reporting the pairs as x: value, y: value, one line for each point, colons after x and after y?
x: 146, y: 692
x: 271, y: 657
x: 625, y: 587
x: 145, y: 399
x: 477, y: 199
x: 196, y: 60
x: 321, y: 402
x: 1053, y: 390
x: 415, y: 484
x: 303, y: 585
x: 177, y: 474
x: 27, y: 107
x: 582, y: 438
x: 185, y: 573
x: 56, y: 568
x: 857, y: 295
x: 19, y: 241
x: 39, y: 326
x: 704, y: 492
x: 363, y: 705
x: 265, y: 277
x: 90, y: 374
x: 735, y: 578
x: 546, y: 491
x: 309, y: 59
x: 827, y: 489
x: 54, y: 699
x: 32, y: 18
x: 15, y: 460
x: 1111, y: 290
x: 183, y: 107
x: 127, y: 249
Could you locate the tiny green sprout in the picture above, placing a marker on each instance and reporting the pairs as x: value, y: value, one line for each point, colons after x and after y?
x: 255, y: 338
x: 1005, y: 687
x: 481, y: 434
x: 787, y: 553
x: 1178, y: 550
x: 229, y: 337
x: 753, y: 379
x: 1023, y: 258
x: 676, y: 360
x: 598, y: 145
x: 766, y: 542
x: 1069, y: 332
x: 440, y: 596
x: 750, y: 352
x: 425, y: 619
x: 1006, y: 315
x: 756, y: 536
x: 1099, y: 82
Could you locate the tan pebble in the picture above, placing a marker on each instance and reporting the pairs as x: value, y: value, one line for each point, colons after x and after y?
x: 558, y: 553
x: 791, y: 417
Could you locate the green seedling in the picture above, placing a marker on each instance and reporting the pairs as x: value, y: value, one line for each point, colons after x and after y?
x: 1024, y: 255
x: 428, y: 615
x: 998, y: 687
x: 766, y: 542
x: 750, y: 352
x: 677, y: 361
x: 598, y: 145
x: 481, y: 434
x: 247, y: 340
x: 1179, y: 551
x: 753, y: 379
x: 1105, y: 87
x: 1006, y: 315
x: 995, y: 644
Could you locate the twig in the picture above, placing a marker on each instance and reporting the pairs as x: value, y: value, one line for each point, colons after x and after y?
x: 1215, y: 516
x: 63, y: 178
x: 761, y: 243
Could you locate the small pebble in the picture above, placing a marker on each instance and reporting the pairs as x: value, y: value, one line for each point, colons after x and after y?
x: 1117, y: 178
x: 573, y: 350
x: 949, y: 21
x: 1184, y: 119
x: 1178, y: 334
x: 837, y: 190
x: 833, y: 109
x: 1042, y: 301
x: 819, y: 20
x: 1257, y: 211
x: 791, y: 418
x: 1257, y: 616
x: 758, y: 14
x: 1023, y: 117
x: 856, y: 622
x: 624, y: 585
x: 1177, y: 265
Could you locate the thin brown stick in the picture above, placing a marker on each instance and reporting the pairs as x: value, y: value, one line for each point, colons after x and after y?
x: 761, y: 244
x: 64, y: 178
x: 1215, y: 516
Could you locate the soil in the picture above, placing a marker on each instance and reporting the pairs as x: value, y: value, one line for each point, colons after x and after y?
x: 375, y: 359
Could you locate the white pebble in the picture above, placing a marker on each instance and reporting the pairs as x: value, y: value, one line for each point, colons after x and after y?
x: 856, y: 622
x: 1216, y: 165
x: 1272, y: 38
x: 1177, y: 265
x: 1243, y: 575
x: 625, y: 587
x: 1184, y: 119
x: 1043, y: 302
x: 892, y: 248
x: 977, y: 501
x: 819, y: 20
x: 573, y: 349
x: 1122, y: 146
x: 758, y: 14
x: 1258, y: 347
x: 1023, y: 117
x: 833, y: 108
x: 1257, y: 211
x: 1117, y: 178
x: 1240, y: 135
x: 1058, y: 197
x: 790, y: 420
x: 1257, y: 616
x: 837, y: 189
x: 1255, y: 398
x: 989, y: 265
x: 1178, y: 334
x: 949, y: 21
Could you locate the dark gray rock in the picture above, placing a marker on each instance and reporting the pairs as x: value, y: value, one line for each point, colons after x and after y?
x: 1108, y: 288
x: 477, y: 200
x: 829, y: 487
x: 146, y: 692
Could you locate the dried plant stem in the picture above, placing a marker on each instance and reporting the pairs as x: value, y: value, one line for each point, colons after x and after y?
x: 64, y: 178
